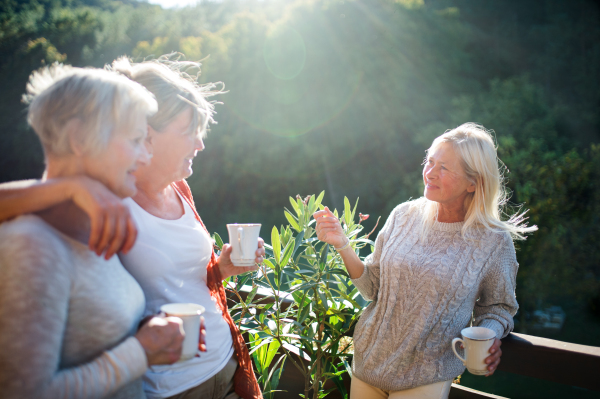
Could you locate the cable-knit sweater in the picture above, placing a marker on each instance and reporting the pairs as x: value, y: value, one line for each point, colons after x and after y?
x: 424, y: 293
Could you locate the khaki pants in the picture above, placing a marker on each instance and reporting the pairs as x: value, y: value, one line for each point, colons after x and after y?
x: 219, y: 386
x: 361, y: 390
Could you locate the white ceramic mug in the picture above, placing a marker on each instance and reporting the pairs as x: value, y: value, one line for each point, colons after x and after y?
x: 477, y: 342
x: 244, y: 240
x: 189, y: 313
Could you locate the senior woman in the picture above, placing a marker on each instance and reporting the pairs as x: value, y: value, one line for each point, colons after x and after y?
x: 69, y: 318
x: 440, y: 263
x: 173, y: 258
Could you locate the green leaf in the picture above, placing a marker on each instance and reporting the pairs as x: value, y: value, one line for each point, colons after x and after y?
x: 287, y: 252
x: 252, y: 294
x: 293, y: 221
x: 320, y: 198
x: 354, y: 210
x: 271, y: 352
x: 269, y: 264
x: 347, y: 212
x: 218, y: 240
x: 276, y: 243
x: 299, y: 238
x: 295, y: 205
x: 311, y: 205
x: 323, y: 258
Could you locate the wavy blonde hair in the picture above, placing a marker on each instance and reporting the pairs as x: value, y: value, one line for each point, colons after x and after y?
x: 486, y: 205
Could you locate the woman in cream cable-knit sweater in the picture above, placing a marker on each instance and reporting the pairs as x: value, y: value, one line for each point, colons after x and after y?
x: 440, y: 263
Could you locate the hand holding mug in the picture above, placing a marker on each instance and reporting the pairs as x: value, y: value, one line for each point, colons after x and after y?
x: 228, y: 269
x: 161, y: 338
x: 329, y: 229
x: 493, y: 360
x: 477, y: 343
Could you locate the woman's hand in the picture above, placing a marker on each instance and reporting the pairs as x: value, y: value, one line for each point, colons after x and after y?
x: 493, y: 360
x: 112, y: 227
x: 202, y: 340
x: 329, y: 228
x: 228, y: 269
x: 161, y: 338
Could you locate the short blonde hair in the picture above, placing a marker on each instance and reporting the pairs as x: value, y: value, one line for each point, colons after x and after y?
x: 476, y: 149
x: 98, y: 101
x: 175, y: 89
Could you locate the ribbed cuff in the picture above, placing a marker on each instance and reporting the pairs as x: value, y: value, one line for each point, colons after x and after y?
x: 494, y: 326
x: 132, y: 356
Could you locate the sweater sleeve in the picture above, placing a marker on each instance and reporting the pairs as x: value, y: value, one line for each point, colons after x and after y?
x: 368, y: 283
x: 35, y: 282
x: 497, y: 303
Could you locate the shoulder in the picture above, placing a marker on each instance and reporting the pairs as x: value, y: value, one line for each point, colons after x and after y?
x: 501, y: 252
x: 408, y: 207
x: 28, y: 237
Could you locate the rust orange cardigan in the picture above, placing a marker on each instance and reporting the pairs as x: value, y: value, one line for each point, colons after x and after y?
x: 244, y: 380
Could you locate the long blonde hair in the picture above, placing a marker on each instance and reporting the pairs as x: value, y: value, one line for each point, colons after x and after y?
x: 485, y: 206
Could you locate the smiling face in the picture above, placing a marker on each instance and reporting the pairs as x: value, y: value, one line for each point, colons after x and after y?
x: 445, y: 179
x: 175, y: 147
x: 115, y: 165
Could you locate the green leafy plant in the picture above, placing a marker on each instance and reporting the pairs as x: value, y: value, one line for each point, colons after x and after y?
x: 306, y: 305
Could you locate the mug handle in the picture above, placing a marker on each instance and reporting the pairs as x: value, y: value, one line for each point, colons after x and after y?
x: 454, y: 342
x: 240, y: 239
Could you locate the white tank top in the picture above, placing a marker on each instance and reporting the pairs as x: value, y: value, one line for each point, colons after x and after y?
x: 169, y: 261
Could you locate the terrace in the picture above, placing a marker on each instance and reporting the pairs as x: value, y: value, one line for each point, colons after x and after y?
x: 526, y: 355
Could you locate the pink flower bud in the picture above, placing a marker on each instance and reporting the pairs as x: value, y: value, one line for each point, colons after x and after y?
x: 363, y: 217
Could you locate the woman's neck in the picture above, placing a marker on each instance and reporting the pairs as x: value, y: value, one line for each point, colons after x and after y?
x: 159, y: 200
x: 450, y: 215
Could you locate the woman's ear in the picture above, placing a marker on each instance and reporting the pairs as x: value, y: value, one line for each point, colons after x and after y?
x: 75, y: 137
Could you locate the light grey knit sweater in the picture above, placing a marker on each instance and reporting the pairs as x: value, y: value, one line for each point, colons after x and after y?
x: 66, y: 318
x: 423, y: 294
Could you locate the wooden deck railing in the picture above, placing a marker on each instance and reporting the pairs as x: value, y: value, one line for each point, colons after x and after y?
x: 528, y: 355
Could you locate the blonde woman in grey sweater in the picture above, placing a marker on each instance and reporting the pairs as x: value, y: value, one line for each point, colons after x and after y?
x: 441, y: 262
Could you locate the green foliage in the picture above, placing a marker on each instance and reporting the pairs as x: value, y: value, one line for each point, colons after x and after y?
x: 310, y: 304
x: 347, y: 95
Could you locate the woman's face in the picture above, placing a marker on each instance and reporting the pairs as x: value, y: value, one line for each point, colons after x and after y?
x: 444, y: 177
x: 126, y: 151
x: 175, y: 147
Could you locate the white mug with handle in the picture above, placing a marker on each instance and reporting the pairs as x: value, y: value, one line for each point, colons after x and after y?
x: 477, y: 342
x: 244, y: 242
x: 189, y: 313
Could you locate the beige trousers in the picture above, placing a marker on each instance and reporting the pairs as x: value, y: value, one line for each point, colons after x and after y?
x: 361, y: 390
x: 219, y: 386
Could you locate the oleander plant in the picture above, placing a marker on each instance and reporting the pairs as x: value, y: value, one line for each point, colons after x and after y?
x: 300, y: 307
